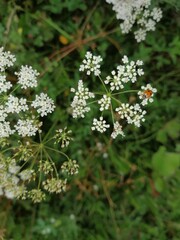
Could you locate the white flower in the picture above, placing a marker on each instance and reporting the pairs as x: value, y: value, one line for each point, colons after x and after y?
x: 137, y: 117
x: 91, y: 64
x: 136, y: 12
x: 10, y: 194
x: 5, y: 129
x: 43, y: 104
x: 147, y: 94
x: 140, y: 35
x: 156, y: 14
x: 27, y: 77
x: 117, y: 130
x: 16, y: 105
x: 100, y: 125
x: 125, y: 73
x: 125, y: 59
x: 26, y: 174
x: 79, y: 104
x: 125, y: 110
x: 3, y: 113
x: 6, y: 59
x: 4, y: 85
x: 133, y: 114
x: 26, y: 128
x: 115, y: 80
x: 104, y: 102
x: 13, y: 169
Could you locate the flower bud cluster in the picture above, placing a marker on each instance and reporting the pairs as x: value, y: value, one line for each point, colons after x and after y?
x: 63, y: 136
x: 70, y: 167
x: 54, y: 185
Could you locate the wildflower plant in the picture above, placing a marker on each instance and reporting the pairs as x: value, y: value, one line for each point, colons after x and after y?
x: 109, y: 97
x: 137, y: 13
x: 27, y: 167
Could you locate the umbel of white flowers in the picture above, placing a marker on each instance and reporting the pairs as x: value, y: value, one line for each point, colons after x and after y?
x: 136, y: 12
x: 113, y: 87
x: 19, y: 120
x: 27, y: 124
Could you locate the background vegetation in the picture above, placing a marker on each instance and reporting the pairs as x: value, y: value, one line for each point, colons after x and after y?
x: 128, y: 189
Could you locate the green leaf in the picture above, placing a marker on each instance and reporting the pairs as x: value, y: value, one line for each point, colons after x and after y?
x: 173, y: 128
x: 170, y: 129
x: 165, y: 163
x: 161, y: 136
x: 159, y: 184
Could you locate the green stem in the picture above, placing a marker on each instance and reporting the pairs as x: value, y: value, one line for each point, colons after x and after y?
x: 55, y: 26
x: 116, y: 100
x: 92, y: 102
x: 48, y: 156
x: 49, y: 132
x: 52, y: 149
x: 40, y: 176
x: 112, y: 114
x: 128, y: 91
x: 14, y: 89
x: 103, y: 83
x: 98, y: 93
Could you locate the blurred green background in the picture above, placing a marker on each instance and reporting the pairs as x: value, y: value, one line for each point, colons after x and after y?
x: 127, y: 189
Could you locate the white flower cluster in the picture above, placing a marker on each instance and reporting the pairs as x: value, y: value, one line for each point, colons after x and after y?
x: 44, y: 104
x: 91, y: 64
x: 124, y: 74
x: 137, y: 12
x: 15, y: 104
x: 12, y: 179
x: 117, y: 130
x: 23, y: 123
x: 104, y: 102
x: 100, y: 125
x: 133, y: 114
x: 147, y: 94
x: 20, y: 116
x: 6, y: 59
x: 79, y: 104
x: 27, y: 77
x: 4, y: 85
x: 128, y: 72
x: 26, y: 127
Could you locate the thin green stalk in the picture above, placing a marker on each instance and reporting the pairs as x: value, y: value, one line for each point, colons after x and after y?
x: 49, y: 132
x: 15, y: 89
x: 116, y: 100
x: 48, y: 156
x: 103, y: 84
x: 128, y: 91
x: 92, y: 102
x: 55, y: 26
x: 112, y: 113
x: 40, y: 176
x: 52, y: 149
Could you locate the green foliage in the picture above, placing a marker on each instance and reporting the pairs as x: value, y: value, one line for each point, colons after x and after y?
x: 128, y: 189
